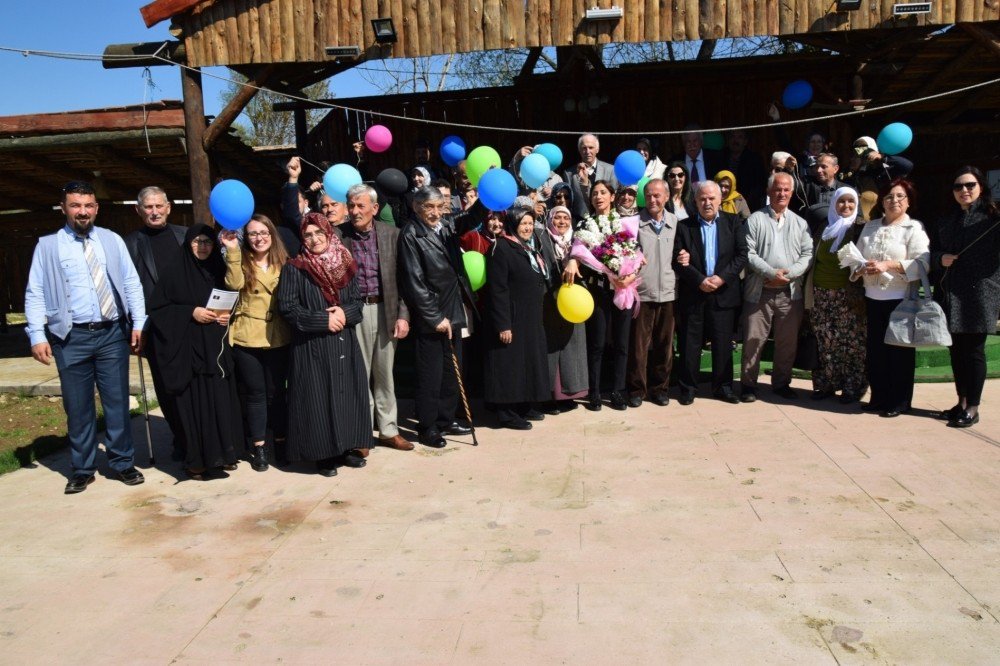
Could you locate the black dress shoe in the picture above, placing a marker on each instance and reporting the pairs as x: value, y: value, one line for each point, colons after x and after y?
x: 533, y: 415
x: 951, y: 414
x: 661, y: 398
x: 433, y: 439
x: 516, y: 424
x: 890, y: 413
x: 354, y: 460
x: 258, y: 459
x: 966, y: 420
x: 567, y: 406
x: 686, y: 398
x: 727, y: 395
x: 594, y: 404
x: 618, y: 401
x: 130, y: 476
x: 325, y: 469
x: 786, y: 392
x: 822, y: 394
x: 79, y: 483
x: 635, y: 401
x: 551, y: 409
x: 748, y: 394
x: 456, y: 428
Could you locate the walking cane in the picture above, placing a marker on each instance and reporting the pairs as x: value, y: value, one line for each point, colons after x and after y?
x: 461, y: 391
x: 145, y: 410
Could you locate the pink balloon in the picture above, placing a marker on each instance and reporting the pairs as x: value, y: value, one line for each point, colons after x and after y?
x: 378, y: 138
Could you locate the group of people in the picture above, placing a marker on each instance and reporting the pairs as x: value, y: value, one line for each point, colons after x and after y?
x: 301, y: 369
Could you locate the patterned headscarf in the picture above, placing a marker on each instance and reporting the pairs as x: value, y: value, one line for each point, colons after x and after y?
x: 563, y: 243
x: 333, y: 269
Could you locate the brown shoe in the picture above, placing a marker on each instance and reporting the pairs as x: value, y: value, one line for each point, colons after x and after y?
x: 361, y: 453
x: 396, y: 442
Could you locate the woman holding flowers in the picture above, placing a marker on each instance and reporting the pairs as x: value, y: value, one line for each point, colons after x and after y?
x: 605, y: 244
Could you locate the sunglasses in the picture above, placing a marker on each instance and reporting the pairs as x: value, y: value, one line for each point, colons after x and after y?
x: 676, y: 176
x: 969, y: 186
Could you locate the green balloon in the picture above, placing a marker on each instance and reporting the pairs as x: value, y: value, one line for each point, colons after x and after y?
x: 475, y: 268
x: 479, y: 161
x: 640, y: 192
x: 713, y: 140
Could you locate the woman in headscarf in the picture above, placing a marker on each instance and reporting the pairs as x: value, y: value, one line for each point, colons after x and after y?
x: 328, y: 411
x: 732, y: 201
x: 625, y: 201
x: 196, y: 358
x: 836, y: 305
x: 562, y: 195
x: 515, y: 337
x: 566, y: 342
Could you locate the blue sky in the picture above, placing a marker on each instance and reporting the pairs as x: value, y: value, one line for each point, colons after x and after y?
x: 35, y: 84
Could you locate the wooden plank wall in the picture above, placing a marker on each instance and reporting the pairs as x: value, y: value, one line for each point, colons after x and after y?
x: 232, y: 32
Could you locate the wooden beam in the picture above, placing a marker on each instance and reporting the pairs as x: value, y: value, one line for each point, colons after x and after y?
x: 529, y: 63
x: 301, y: 131
x: 235, y: 107
x: 85, y: 139
x: 172, y: 50
x: 156, y: 115
x: 194, y: 129
x: 983, y: 37
x: 161, y: 10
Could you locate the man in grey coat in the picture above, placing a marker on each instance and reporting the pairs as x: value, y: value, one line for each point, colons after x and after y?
x: 586, y: 173
x: 779, y: 250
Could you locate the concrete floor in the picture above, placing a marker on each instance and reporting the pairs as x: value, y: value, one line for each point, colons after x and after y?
x: 776, y: 532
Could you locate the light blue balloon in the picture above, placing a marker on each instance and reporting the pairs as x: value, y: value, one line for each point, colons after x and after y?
x: 894, y: 138
x: 534, y: 170
x: 630, y: 167
x: 497, y: 189
x: 797, y: 94
x: 338, y: 179
x: 552, y: 154
x: 452, y: 150
x: 231, y: 203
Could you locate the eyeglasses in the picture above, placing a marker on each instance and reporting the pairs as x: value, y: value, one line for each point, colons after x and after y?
x: 203, y: 241
x: 969, y: 186
x: 676, y: 176
x: 259, y: 234
x: 313, y: 235
x: 894, y: 197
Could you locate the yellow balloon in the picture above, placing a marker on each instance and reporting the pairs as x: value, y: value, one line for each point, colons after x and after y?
x: 575, y: 303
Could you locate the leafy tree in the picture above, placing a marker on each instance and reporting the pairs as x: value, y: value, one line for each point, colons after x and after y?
x: 261, y: 125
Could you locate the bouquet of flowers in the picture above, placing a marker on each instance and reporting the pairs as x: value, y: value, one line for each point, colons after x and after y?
x: 609, y: 244
x: 850, y: 257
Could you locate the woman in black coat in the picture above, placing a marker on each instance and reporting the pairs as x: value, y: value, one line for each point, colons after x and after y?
x: 328, y: 412
x: 195, y: 356
x: 966, y: 250
x: 517, y: 374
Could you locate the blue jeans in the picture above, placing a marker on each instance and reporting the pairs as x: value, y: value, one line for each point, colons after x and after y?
x: 86, y: 358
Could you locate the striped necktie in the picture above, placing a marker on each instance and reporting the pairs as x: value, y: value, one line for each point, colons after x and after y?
x: 100, y: 278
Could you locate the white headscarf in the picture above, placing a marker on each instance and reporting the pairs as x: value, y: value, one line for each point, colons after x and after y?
x: 562, y: 242
x: 837, y: 226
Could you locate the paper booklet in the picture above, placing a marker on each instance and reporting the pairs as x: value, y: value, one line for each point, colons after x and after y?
x: 221, y: 300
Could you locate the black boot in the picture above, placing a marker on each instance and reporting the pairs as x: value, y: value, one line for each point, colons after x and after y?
x: 258, y: 459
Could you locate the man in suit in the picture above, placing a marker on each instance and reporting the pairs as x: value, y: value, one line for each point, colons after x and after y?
x: 152, y: 248
x: 436, y: 291
x: 83, y: 294
x: 385, y: 319
x: 711, y: 252
x: 587, y: 172
x: 701, y: 163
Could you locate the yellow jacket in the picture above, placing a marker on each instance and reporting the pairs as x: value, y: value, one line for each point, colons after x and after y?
x: 256, y: 322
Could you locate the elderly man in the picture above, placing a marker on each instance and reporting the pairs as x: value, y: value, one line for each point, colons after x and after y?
x: 712, y: 252
x: 152, y: 248
x: 436, y: 291
x: 385, y: 319
x: 653, y: 328
x: 586, y: 173
x: 83, y: 296
x: 701, y: 163
x: 779, y: 249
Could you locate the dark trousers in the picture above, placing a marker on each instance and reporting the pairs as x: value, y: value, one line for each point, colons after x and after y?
x: 85, y: 359
x: 437, y: 385
x: 715, y: 323
x: 168, y: 403
x: 890, y: 368
x: 968, y: 363
x: 607, y: 320
x: 651, y: 349
x: 263, y: 376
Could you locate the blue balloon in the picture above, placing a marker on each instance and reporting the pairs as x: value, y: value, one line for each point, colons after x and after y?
x: 797, y: 94
x: 552, y: 154
x: 497, y: 189
x: 452, y: 150
x: 630, y: 167
x: 338, y: 179
x: 231, y: 203
x: 534, y: 170
x: 894, y: 138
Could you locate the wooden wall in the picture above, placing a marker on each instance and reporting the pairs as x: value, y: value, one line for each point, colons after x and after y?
x: 233, y: 32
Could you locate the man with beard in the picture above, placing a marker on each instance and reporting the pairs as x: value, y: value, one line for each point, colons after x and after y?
x: 85, y: 308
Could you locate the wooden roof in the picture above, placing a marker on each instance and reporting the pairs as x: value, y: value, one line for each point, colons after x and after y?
x: 120, y: 150
x: 242, y: 32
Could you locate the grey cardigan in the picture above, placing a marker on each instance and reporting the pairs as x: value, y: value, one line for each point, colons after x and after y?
x: 760, y: 234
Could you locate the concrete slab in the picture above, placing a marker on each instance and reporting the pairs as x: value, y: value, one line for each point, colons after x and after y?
x: 777, y: 532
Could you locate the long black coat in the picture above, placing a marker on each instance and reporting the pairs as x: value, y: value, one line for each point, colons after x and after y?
x: 328, y: 412
x: 518, y: 372
x: 969, y: 291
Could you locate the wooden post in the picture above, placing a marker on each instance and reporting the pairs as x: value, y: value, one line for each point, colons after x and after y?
x: 301, y: 130
x: 194, y: 129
